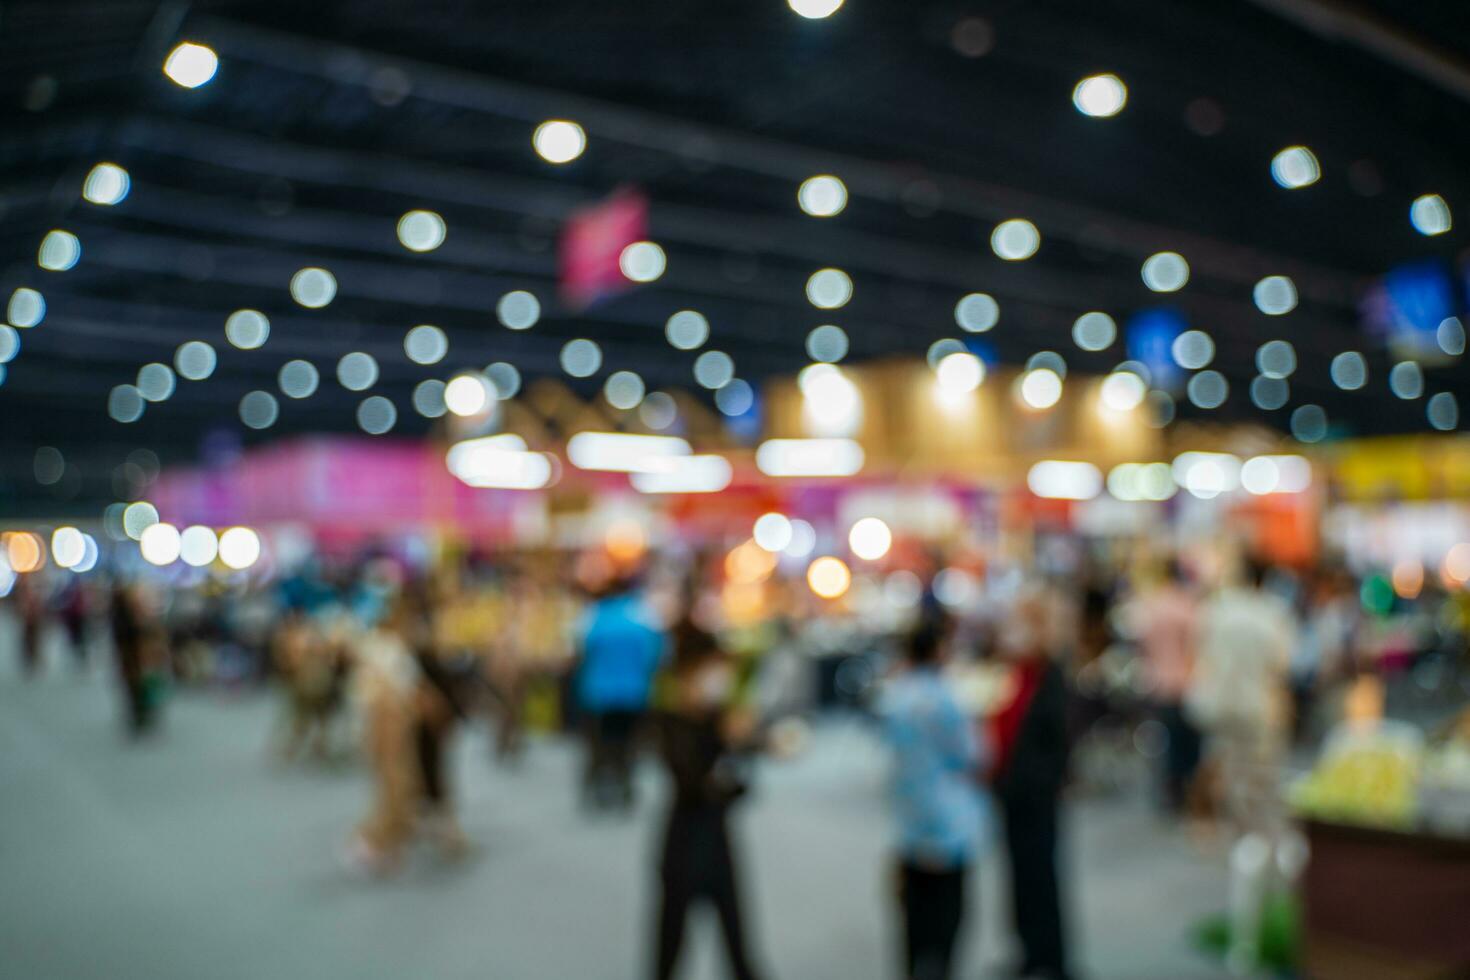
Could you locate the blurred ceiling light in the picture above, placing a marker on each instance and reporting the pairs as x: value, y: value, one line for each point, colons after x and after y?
x: 90, y: 555
x: 870, y: 539
x: 772, y: 531
x: 822, y: 196
x: 506, y: 379
x: 195, y: 360
x: 941, y: 349
x: 156, y: 382
x: 426, y: 344
x: 1165, y: 272
x: 1064, y: 480
x: 106, y: 184
x: 1443, y: 412
x: 1015, y: 239
x: 59, y: 251
x: 487, y: 465
x: 428, y: 398
x: 642, y: 261
x: 190, y: 65
x: 518, y: 310
x: 828, y: 577
x: 736, y: 398
x: 298, y: 379
x: 160, y: 544
x: 1408, y: 578
x: 977, y: 312
x: 1450, y: 335
x: 960, y: 372
x: 1406, y: 380
x: 1309, y: 423
x: 138, y: 517
x: 829, y: 289
x: 1275, y: 295
x: 239, y: 548
x: 247, y: 329
x: 460, y: 456
x: 624, y: 390
x: 198, y: 545
x: 559, y: 141
x: 27, y: 308
x: 685, y: 474
x: 1094, y: 331
x: 68, y: 547
x: 809, y: 457
x: 623, y: 452
x: 421, y: 231
x: 125, y: 404
x: 714, y: 369
x: 1276, y: 359
x: 1208, y: 389
x: 1100, y: 95
x: 357, y: 371
x: 1430, y: 215
x: 376, y: 415
x: 1276, y: 474
x: 1193, y: 349
x: 659, y: 410
x: 827, y: 343
x: 1050, y: 360
x: 1349, y: 370
x: 468, y: 394
x: 1142, y: 481
x: 313, y: 287
x: 687, y: 330
x: 1041, y: 388
x: 581, y: 358
x: 814, y: 9
x: 259, y: 410
x: 1295, y: 167
x: 1206, y: 475
x: 1270, y: 393
x: 831, y: 403
x: 1123, y: 391
x: 9, y: 343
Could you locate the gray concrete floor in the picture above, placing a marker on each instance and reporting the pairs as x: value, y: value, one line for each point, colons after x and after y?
x: 189, y: 855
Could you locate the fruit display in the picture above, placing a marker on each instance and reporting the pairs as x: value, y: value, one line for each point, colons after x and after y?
x: 1368, y: 776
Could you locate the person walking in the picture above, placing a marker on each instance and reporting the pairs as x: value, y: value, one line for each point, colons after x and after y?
x: 938, y: 803
x: 1030, y: 733
x: 622, y: 646
x: 1166, y: 621
x: 700, y: 736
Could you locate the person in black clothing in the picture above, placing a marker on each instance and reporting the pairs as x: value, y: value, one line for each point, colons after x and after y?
x: 1030, y: 734
x: 133, y: 637
x: 698, y: 737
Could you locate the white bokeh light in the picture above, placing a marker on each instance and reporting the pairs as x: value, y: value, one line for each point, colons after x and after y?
x: 298, y: 379
x: 160, y: 544
x: 1100, y: 95
x: 1275, y: 295
x: 239, y: 548
x: 191, y: 65
x: 714, y: 369
x: 138, y: 517
x: 1406, y: 380
x: 518, y: 310
x: 960, y: 372
x: 1349, y: 370
x: 247, y: 329
x: 1015, y: 239
x: 198, y: 545
x: 376, y: 415
x: 506, y: 379
x: 977, y: 312
x: 827, y: 343
x: 1295, y: 167
x: 642, y: 261
x: 814, y: 9
x: 1208, y: 389
x: 428, y: 398
x: 1165, y: 272
x: 27, y: 308
x: 870, y: 539
x: 1309, y: 423
x: 426, y: 344
x: 1276, y: 359
x: 772, y: 531
x: 313, y: 287
x: 357, y: 371
x: 1430, y: 215
x: 422, y: 231
x: 822, y: 196
x: 106, y: 184
x: 1193, y: 349
x: 1450, y: 335
x: 60, y: 250
x: 559, y: 140
x: 1094, y: 331
x: 468, y: 394
x: 829, y: 289
x: 687, y: 330
x: 195, y: 360
x: 1041, y: 388
x: 1443, y: 412
x: 156, y: 382
x: 259, y: 410
x: 1123, y: 391
x: 623, y: 390
x: 581, y: 358
x: 1269, y: 393
x: 125, y: 403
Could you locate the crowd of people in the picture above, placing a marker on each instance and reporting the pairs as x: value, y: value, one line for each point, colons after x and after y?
x: 975, y: 695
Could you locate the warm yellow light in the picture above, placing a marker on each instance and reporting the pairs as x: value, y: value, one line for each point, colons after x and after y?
x: 25, y: 551
x: 1408, y: 578
x: 828, y: 577
x: 749, y: 563
x: 626, y: 541
x: 1457, y: 564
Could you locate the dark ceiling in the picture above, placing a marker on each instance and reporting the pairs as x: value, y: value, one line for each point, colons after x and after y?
x: 327, y: 121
